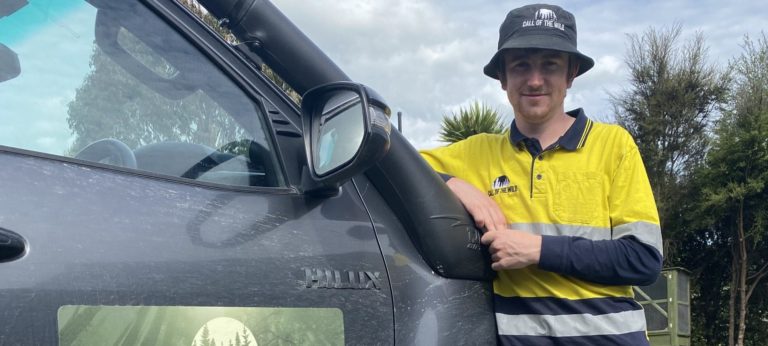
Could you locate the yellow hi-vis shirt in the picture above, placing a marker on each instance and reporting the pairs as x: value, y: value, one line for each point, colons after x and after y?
x: 591, y: 184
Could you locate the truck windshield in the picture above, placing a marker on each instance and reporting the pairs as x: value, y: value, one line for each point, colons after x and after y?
x: 113, y: 70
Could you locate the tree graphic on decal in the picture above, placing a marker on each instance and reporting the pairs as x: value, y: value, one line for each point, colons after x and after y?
x: 204, y: 339
x: 246, y: 339
x: 222, y: 331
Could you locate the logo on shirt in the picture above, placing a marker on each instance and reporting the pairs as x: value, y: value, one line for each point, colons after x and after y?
x: 501, y: 185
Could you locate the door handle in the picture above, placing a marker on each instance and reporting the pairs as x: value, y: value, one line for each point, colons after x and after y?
x: 12, y: 245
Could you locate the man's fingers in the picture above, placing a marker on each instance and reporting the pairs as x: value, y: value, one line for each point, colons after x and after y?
x: 496, y: 216
x: 485, y: 220
x: 482, y: 208
x: 488, y: 237
x: 480, y: 217
x: 496, y: 266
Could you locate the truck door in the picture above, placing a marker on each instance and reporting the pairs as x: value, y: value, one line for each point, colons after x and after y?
x: 149, y: 193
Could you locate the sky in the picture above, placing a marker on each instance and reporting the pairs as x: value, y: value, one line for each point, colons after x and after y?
x: 425, y: 57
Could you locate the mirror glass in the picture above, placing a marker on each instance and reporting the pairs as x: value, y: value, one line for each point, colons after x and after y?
x: 9, y: 64
x: 339, y: 132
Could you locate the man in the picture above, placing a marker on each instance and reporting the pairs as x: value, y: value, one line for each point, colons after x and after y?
x: 567, y: 209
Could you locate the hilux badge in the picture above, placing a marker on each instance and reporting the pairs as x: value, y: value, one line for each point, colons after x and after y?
x: 328, y: 278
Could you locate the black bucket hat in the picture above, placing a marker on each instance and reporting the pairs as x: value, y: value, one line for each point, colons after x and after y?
x: 538, y: 26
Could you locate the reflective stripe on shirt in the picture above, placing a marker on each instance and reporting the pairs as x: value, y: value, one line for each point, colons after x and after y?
x: 571, y: 325
x: 645, y: 232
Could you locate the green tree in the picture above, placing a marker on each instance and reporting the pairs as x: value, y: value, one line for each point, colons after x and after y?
x: 113, y: 104
x: 674, y: 95
x: 735, y: 185
x: 477, y: 118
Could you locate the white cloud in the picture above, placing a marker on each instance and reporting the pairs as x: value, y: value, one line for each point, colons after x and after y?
x: 607, y: 64
x: 46, y: 142
x: 422, y: 134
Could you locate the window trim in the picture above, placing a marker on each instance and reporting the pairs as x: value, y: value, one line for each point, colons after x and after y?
x: 281, y: 190
x: 249, y: 78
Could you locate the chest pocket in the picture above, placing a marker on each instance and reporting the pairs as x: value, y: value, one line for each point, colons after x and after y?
x: 579, y: 198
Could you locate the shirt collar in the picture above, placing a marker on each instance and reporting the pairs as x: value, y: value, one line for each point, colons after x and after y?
x: 573, y: 139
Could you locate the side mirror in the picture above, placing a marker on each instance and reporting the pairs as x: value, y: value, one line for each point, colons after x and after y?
x: 9, y: 64
x: 346, y: 130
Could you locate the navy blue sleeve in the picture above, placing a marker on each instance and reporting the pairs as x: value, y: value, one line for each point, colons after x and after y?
x: 623, y: 261
x: 445, y: 177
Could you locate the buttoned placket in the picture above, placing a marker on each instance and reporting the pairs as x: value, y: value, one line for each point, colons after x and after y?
x: 573, y: 139
x: 537, y: 175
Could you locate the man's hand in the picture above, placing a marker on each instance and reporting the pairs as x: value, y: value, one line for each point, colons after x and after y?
x: 483, y: 209
x: 511, y: 249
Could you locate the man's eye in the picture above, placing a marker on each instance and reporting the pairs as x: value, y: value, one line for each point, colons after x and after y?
x: 519, y: 66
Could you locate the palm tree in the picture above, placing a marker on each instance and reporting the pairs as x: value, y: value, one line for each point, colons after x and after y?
x: 478, y: 118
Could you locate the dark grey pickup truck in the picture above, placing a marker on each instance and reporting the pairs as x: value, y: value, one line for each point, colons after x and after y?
x: 160, y: 188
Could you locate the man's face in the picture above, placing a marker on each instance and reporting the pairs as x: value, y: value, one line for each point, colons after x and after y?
x: 536, y: 82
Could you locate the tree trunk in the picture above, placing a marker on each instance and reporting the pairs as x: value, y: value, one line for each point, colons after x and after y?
x: 732, y: 300
x: 742, y: 276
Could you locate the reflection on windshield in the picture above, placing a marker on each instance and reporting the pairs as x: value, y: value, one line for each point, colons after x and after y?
x: 73, y: 93
x: 35, y: 103
x: 121, y: 74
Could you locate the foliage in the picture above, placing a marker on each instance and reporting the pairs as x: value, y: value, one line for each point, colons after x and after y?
x: 213, y: 23
x: 735, y: 182
x: 113, y: 104
x: 478, y: 118
x: 673, y: 96
x: 280, y: 83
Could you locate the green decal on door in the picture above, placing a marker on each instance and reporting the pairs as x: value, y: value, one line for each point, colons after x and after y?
x: 198, y: 326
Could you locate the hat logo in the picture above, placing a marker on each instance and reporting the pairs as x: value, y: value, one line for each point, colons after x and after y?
x: 546, y: 18
x: 545, y: 14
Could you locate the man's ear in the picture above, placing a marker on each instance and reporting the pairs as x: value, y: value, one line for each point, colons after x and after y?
x: 572, y: 71
x: 503, y: 80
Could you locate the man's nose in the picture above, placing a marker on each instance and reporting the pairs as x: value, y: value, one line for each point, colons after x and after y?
x: 535, y: 78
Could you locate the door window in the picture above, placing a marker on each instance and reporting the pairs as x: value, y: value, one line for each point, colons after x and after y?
x: 110, y: 82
